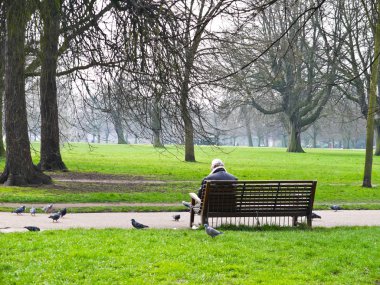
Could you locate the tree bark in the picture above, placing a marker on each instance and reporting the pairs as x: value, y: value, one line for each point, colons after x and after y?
x: 372, y: 105
x: 377, y: 132
x: 248, y: 127
x: 156, y: 122
x: 2, y: 67
x: 50, y: 149
x: 188, y: 124
x: 19, y: 168
x: 118, y: 127
x: 294, y: 139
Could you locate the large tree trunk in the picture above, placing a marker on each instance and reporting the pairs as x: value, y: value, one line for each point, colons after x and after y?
x: 50, y: 149
x: 377, y: 132
x: 156, y: 123
x: 19, y: 169
x: 2, y: 67
x: 315, y: 134
x: 118, y: 127
x: 294, y: 138
x: 248, y: 127
x: 186, y: 117
x: 372, y: 106
x: 189, y: 128
x: 2, y: 149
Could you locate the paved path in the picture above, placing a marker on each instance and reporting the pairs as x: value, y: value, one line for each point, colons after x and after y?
x: 10, y: 222
x: 83, y: 205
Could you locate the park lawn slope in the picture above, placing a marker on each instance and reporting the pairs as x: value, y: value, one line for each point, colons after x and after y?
x: 115, y: 256
x: 338, y: 172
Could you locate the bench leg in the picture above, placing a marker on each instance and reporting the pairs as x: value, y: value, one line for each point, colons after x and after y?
x: 295, y: 222
x: 192, y: 213
x: 204, y: 220
x: 191, y: 217
x: 309, y: 221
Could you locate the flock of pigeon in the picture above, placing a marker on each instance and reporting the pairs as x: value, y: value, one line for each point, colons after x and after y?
x: 47, y: 209
x: 55, y: 217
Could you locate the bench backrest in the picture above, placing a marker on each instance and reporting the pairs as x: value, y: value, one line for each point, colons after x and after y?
x: 258, y: 198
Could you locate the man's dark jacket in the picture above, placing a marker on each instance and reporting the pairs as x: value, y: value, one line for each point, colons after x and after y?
x: 218, y: 174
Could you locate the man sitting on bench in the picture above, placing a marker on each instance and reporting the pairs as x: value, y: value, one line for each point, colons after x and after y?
x: 218, y: 172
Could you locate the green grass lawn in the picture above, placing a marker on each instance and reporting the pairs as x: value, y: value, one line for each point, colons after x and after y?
x: 339, y: 173
x: 348, y: 255
x: 116, y: 256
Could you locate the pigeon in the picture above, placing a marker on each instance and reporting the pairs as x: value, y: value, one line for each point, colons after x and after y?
x: 63, y: 212
x: 55, y: 217
x: 211, y: 231
x: 32, y: 211
x: 186, y: 204
x: 176, y: 217
x: 137, y: 225
x: 32, y: 228
x: 48, y: 208
x: 335, y: 208
x: 19, y: 210
x: 315, y: 216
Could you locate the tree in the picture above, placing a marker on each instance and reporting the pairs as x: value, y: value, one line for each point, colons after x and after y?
x: 372, y: 102
x: 50, y: 158
x: 294, y: 67
x: 197, y: 16
x: 19, y: 168
x: 71, y: 20
x: 2, y: 68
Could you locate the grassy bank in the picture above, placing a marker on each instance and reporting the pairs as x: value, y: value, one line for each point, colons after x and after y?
x: 318, y: 256
x: 339, y: 174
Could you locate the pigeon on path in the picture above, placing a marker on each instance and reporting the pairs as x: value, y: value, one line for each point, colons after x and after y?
x: 211, y: 231
x: 32, y: 228
x: 55, y: 217
x: 137, y: 225
x: 19, y: 210
x: 32, y: 211
x: 335, y: 208
x: 63, y: 212
x: 176, y: 217
x: 48, y: 208
x: 315, y: 216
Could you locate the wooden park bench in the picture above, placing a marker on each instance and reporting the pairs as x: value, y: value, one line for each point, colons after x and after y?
x: 244, y: 202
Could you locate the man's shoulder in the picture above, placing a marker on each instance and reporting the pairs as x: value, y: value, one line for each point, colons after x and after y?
x: 220, y: 176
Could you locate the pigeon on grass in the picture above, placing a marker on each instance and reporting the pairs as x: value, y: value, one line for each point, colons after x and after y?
x: 137, y: 225
x: 176, y: 217
x: 335, y: 208
x: 211, y: 231
x: 19, y: 210
x: 32, y: 228
x: 55, y: 217
x: 63, y: 212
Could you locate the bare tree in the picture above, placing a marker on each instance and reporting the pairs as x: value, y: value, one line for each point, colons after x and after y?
x: 372, y: 102
x: 295, y: 65
x: 2, y: 68
x: 50, y: 158
x: 19, y: 168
